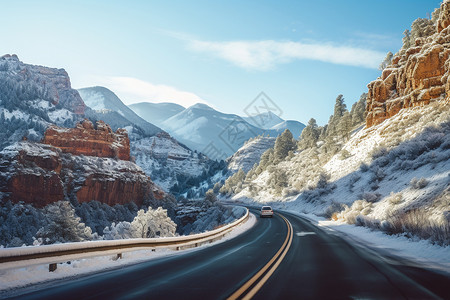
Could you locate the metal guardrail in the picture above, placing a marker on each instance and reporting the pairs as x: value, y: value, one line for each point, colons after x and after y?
x: 56, y: 253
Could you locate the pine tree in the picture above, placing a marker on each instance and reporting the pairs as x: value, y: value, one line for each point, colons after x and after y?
x: 387, y: 61
x: 283, y: 144
x: 309, y: 135
x: 64, y: 225
x: 358, y: 111
x: 345, y: 126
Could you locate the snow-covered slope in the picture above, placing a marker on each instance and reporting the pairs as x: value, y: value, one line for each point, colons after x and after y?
x: 109, y: 108
x: 385, y: 176
x: 265, y: 120
x: 163, y: 158
x: 201, y: 128
x: 295, y: 127
x: 156, y: 113
x: 33, y: 97
x: 250, y: 153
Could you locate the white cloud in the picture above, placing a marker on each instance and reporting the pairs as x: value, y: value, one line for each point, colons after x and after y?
x: 264, y: 55
x: 132, y: 90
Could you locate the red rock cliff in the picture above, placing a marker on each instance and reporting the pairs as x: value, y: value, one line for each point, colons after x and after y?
x: 41, y: 174
x: 85, y: 139
x: 415, y: 77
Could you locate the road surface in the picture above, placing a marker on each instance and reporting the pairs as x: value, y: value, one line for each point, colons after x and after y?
x: 284, y: 257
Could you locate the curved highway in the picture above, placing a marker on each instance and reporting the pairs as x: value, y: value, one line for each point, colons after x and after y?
x: 284, y: 257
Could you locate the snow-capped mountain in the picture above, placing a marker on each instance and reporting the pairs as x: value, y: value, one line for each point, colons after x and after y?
x: 156, y: 113
x: 295, y: 127
x: 250, y: 153
x: 265, y: 120
x: 167, y: 161
x: 214, y: 133
x: 33, y: 97
x: 108, y: 107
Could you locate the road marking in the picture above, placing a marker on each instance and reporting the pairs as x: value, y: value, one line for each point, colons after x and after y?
x: 278, y: 257
x: 303, y: 233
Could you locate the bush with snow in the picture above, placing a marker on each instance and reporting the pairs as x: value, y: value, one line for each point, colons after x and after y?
x: 395, y: 198
x: 419, y: 183
x: 359, y: 207
x: 147, y: 224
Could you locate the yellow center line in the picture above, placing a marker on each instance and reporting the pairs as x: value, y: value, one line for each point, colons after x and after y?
x: 279, y: 255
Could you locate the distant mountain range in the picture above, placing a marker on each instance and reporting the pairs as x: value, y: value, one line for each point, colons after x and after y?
x: 106, y: 106
x: 156, y: 113
x: 214, y: 133
x: 199, y: 127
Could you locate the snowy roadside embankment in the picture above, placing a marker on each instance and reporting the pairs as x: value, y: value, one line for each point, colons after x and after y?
x: 27, y: 276
x: 417, y: 251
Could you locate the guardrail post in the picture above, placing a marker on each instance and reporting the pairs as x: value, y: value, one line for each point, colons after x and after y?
x: 52, y: 267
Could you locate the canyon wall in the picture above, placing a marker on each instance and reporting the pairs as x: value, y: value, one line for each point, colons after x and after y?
x: 416, y: 76
x: 84, y: 139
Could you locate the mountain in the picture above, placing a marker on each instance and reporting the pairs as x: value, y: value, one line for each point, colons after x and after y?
x: 250, y: 153
x: 205, y: 129
x: 108, y: 107
x: 389, y: 172
x: 295, y: 127
x: 156, y: 113
x: 33, y: 97
x: 166, y: 160
x: 265, y: 120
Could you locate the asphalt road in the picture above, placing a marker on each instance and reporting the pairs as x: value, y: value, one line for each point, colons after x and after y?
x: 276, y: 259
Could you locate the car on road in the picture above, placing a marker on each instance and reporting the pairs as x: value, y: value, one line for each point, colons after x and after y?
x: 266, y: 211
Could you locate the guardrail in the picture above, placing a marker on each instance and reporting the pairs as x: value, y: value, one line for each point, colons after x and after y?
x: 53, y: 254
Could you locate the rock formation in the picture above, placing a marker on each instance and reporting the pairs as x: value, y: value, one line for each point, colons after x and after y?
x: 41, y: 174
x: 86, y: 140
x: 52, y: 84
x: 416, y: 76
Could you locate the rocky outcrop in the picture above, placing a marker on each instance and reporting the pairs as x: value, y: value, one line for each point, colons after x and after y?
x: 41, y: 174
x: 250, y: 154
x: 415, y: 77
x: 31, y: 173
x: 46, y: 83
x: 84, y: 139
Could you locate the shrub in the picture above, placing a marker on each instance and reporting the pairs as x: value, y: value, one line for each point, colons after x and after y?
x: 364, y: 167
x: 395, y: 198
x: 332, y: 210
x: 419, y: 183
x: 371, y: 197
x: 417, y: 223
x: 344, y: 154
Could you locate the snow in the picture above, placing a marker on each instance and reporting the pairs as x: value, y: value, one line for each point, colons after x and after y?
x: 93, y: 99
x: 250, y: 153
x: 421, y: 251
x: 12, y: 279
x: 388, y: 179
x: 60, y: 115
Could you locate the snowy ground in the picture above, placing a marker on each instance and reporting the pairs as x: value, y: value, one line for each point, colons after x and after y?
x: 417, y: 251
x: 12, y: 279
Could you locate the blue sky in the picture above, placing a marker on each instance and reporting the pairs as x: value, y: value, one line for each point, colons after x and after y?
x: 302, y: 54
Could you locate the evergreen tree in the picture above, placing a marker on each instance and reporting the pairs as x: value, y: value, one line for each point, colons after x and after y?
x: 283, y: 144
x: 358, y: 111
x: 387, y: 61
x: 345, y: 126
x: 309, y: 135
x: 64, y: 225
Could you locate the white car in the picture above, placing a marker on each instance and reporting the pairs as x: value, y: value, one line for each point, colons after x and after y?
x: 266, y: 211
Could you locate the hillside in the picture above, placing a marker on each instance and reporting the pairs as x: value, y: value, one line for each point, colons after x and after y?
x: 156, y: 113
x: 389, y: 171
x: 201, y: 127
x: 108, y: 107
x: 249, y: 154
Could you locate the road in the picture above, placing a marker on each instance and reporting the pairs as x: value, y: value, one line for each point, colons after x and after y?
x: 278, y: 258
